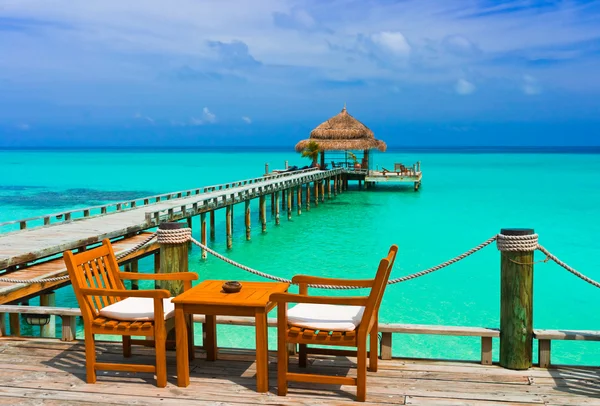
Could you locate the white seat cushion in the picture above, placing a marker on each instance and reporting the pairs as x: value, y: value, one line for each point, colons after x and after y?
x: 136, y: 309
x: 325, y: 317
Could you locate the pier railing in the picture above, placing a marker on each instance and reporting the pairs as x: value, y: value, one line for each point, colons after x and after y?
x: 91, y: 211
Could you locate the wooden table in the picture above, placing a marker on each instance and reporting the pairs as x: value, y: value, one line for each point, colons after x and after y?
x: 208, y: 298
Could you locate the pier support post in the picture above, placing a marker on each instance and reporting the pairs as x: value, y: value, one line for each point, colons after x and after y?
x: 316, y: 186
x: 69, y: 328
x: 189, y: 222
x: 134, y: 266
x: 334, y: 185
x: 328, y: 188
x: 203, y: 232
x: 212, y: 225
x: 299, y: 199
x: 308, y: 197
x: 516, y: 305
x: 277, y: 208
x: 248, y: 220
x: 14, y: 321
x: 322, y: 187
x: 48, y: 330
x: 173, y: 258
x: 289, y: 203
x: 263, y: 212
x: 228, y: 227
x: 273, y: 202
x: 2, y: 325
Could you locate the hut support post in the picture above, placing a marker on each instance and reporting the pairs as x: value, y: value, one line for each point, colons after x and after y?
x: 328, y: 188
x: 48, y: 330
x: 322, y: 187
x: 203, y: 233
x: 308, y: 197
x: 289, y: 203
x: 263, y: 213
x: 277, y: 220
x: 516, y: 306
x: 299, y: 199
x: 335, y: 185
x: 228, y: 226
x: 248, y: 220
x: 316, y: 186
x: 273, y: 202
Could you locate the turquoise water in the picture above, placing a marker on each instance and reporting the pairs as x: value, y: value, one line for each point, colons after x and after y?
x: 465, y: 199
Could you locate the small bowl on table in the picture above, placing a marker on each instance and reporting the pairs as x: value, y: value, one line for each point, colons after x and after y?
x: 232, y: 287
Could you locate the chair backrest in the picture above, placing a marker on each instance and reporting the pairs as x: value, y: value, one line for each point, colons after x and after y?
x: 379, y: 285
x: 96, y: 268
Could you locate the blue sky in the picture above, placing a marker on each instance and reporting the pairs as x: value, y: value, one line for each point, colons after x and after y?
x: 242, y: 72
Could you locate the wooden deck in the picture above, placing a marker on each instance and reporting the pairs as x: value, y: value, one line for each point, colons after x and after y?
x: 29, y: 244
x: 47, y: 371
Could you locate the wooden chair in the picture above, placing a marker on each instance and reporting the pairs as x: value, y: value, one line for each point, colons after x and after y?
x: 108, y: 308
x: 331, y: 320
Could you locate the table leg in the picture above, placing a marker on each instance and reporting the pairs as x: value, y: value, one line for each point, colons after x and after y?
x: 181, y: 345
x: 191, y: 348
x: 262, y: 352
x: 210, y: 337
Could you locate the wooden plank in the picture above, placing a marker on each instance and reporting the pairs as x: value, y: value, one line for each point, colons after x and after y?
x: 439, y: 330
x: 580, y: 335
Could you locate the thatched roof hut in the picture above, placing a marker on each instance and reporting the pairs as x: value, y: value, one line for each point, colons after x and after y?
x: 343, y: 132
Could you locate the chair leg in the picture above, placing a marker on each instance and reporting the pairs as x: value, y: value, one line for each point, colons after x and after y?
x: 90, y: 357
x: 282, y: 367
x: 191, y: 348
x: 361, y: 372
x: 127, y: 346
x: 302, y: 355
x: 160, y: 343
x: 373, y: 350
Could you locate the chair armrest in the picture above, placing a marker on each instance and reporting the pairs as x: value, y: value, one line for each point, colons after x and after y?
x: 175, y: 276
x: 149, y: 293
x: 317, y: 280
x: 281, y: 298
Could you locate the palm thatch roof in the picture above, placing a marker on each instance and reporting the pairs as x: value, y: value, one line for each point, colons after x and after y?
x: 343, y: 132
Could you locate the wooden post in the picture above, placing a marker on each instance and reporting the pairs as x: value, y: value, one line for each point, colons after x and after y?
x: 203, y: 233
x: 516, y: 305
x: 263, y: 213
x: 335, y: 185
x: 15, y: 324
x: 157, y: 262
x: 248, y: 220
x: 2, y: 325
x: 322, y: 186
x: 544, y: 353
x: 189, y: 222
x: 277, y: 208
x: 283, y: 200
x: 328, y: 188
x: 228, y: 230
x: 266, y: 168
x: 289, y: 203
x: 173, y: 258
x: 48, y: 330
x: 69, y: 328
x: 386, y: 345
x: 212, y: 225
x: 299, y: 199
x: 316, y: 186
x: 273, y: 202
x: 486, y: 350
x: 308, y: 196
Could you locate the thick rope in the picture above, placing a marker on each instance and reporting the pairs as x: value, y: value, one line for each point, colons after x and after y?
x: 568, y: 268
x: 66, y: 277
x: 174, y: 236
x: 522, y: 243
x: 443, y: 264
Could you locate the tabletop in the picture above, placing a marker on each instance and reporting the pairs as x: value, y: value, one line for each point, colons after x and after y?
x: 210, y: 292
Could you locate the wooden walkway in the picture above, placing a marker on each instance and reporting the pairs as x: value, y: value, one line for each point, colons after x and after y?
x: 28, y: 245
x: 47, y: 371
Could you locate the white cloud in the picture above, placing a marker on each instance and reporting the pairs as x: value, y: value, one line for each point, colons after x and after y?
x: 531, y: 86
x: 392, y: 41
x: 464, y: 87
x: 247, y: 119
x: 140, y: 116
x: 207, y: 117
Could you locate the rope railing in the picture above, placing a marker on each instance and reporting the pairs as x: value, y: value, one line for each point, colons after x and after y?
x: 524, y: 243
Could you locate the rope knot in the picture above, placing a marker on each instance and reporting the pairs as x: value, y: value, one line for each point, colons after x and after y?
x: 175, y: 236
x: 517, y: 242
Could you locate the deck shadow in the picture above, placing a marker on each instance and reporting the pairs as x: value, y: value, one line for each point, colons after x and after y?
x: 577, y: 380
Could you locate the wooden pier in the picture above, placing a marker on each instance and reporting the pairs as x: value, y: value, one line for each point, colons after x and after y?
x: 46, y: 371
